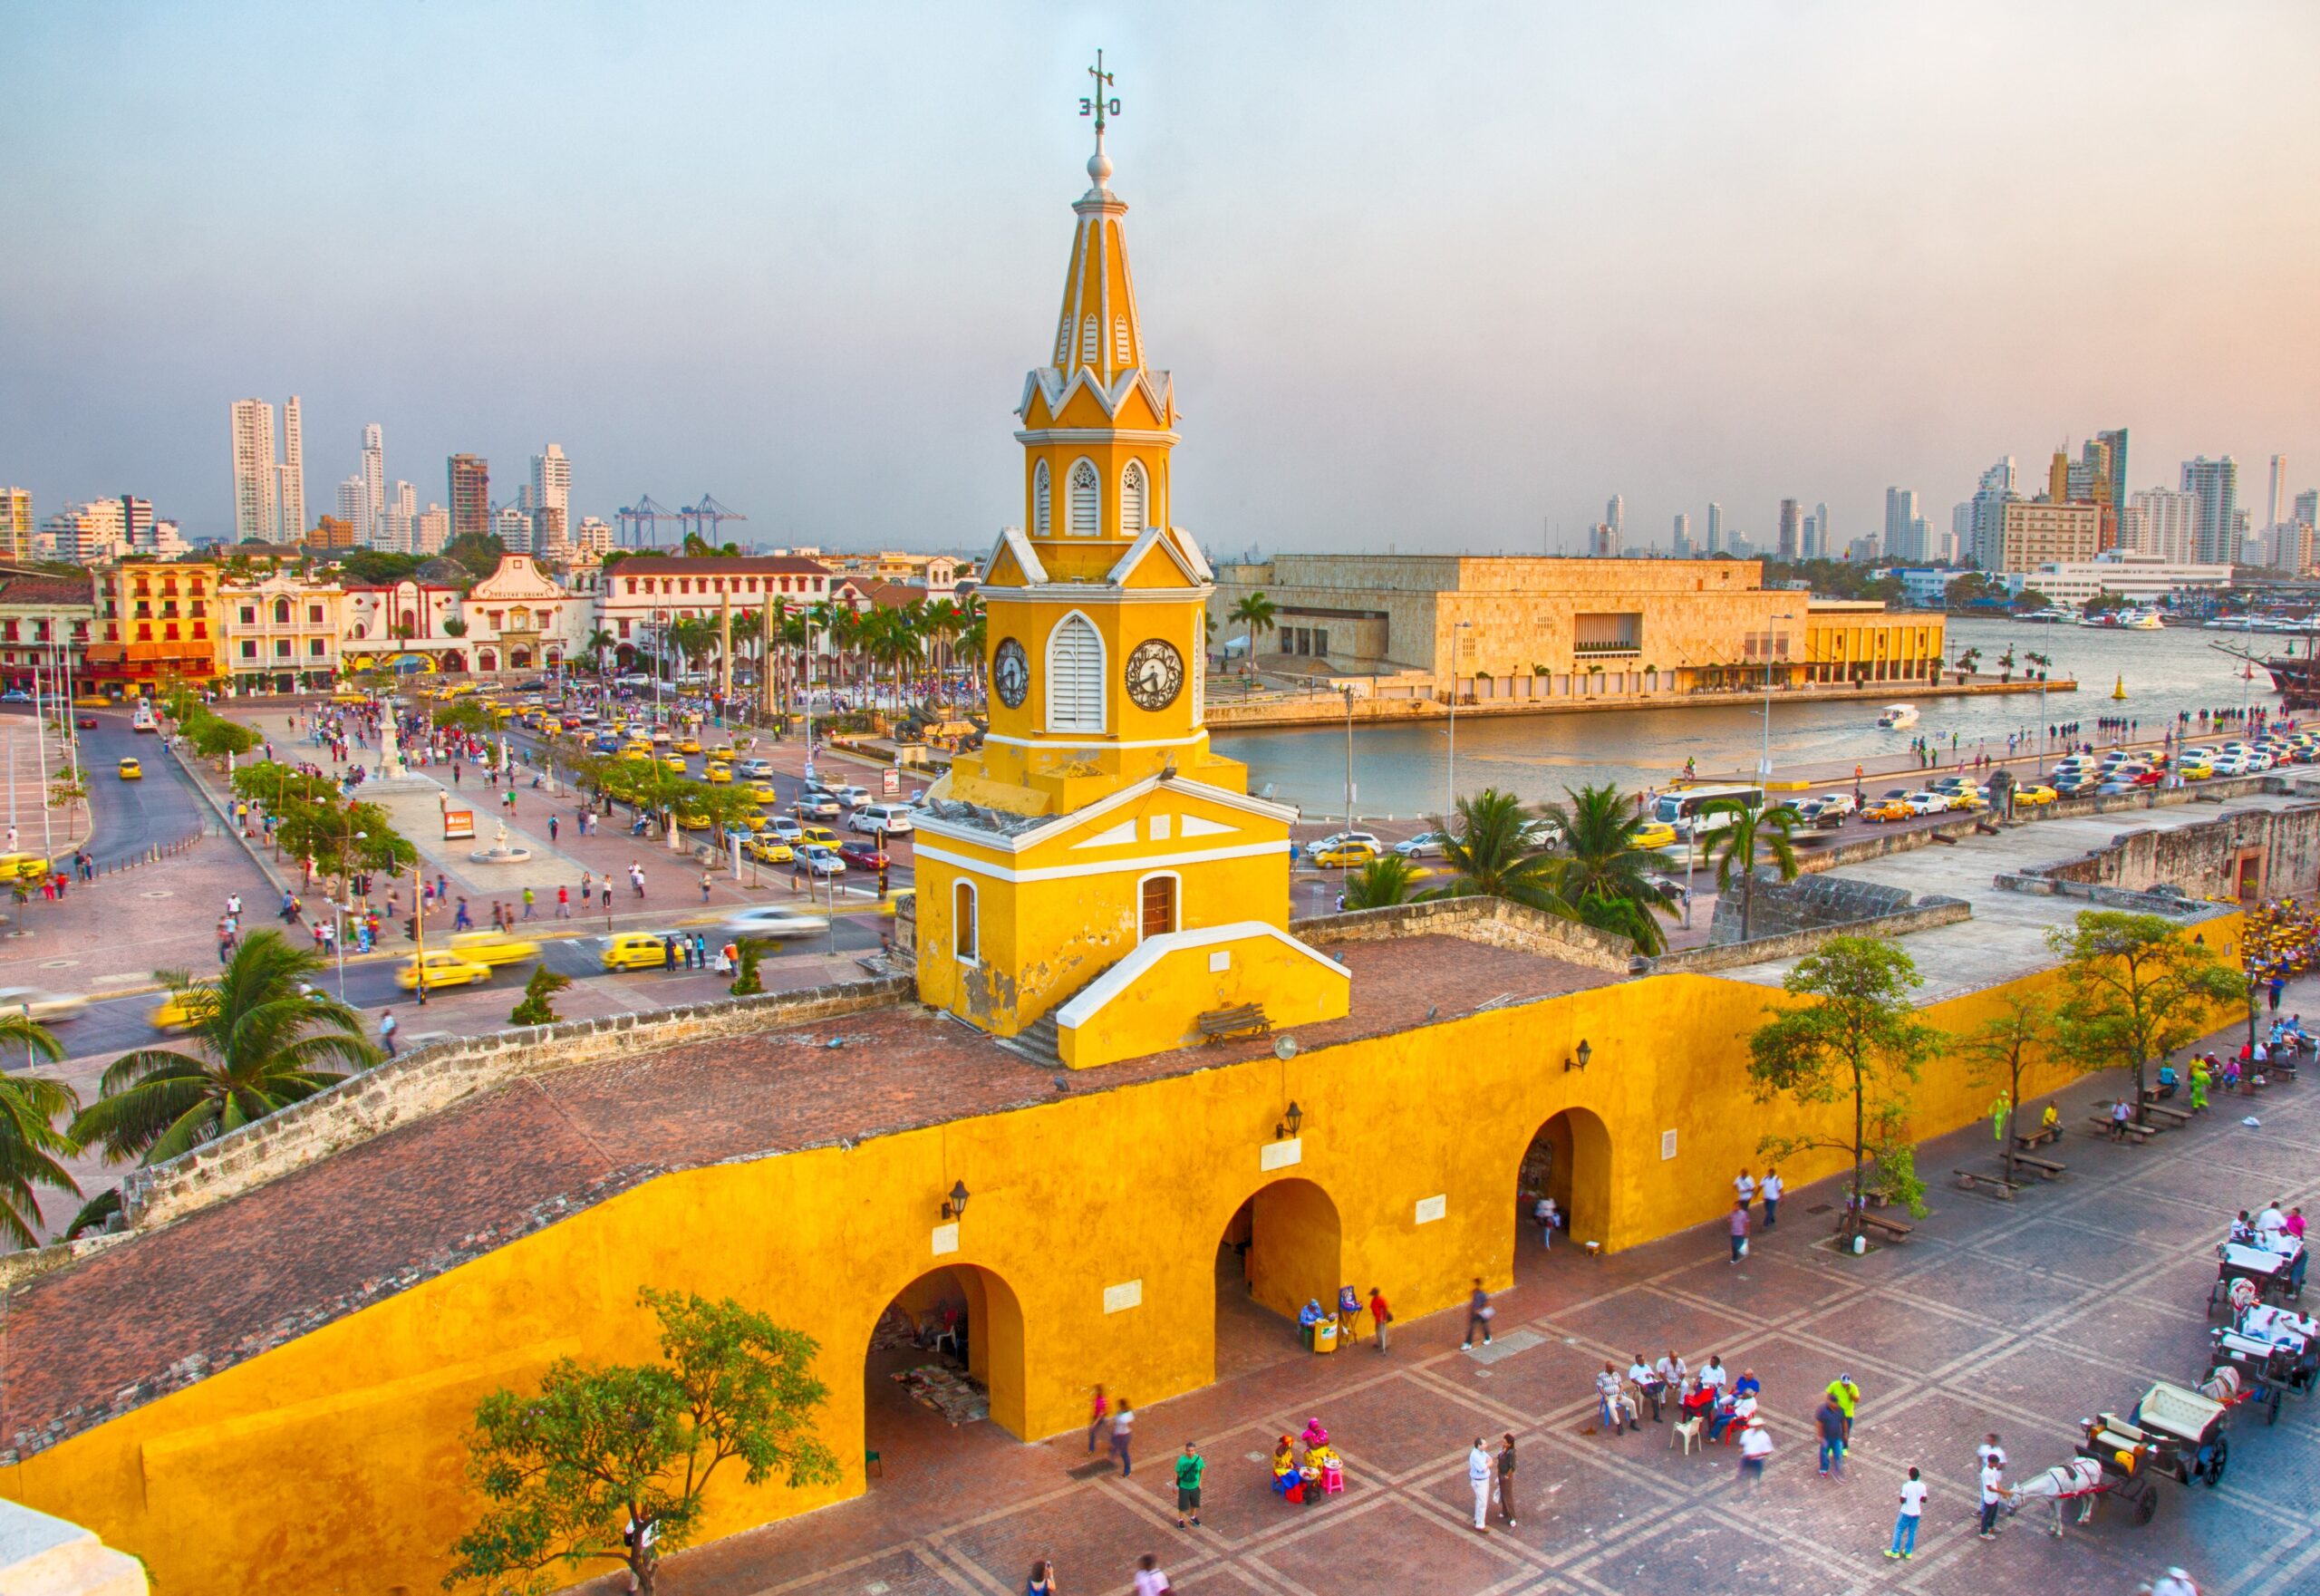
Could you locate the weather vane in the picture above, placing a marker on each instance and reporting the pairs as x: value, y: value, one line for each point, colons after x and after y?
x: 1103, y: 103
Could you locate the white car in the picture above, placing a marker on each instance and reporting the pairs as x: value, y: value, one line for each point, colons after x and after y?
x: 1425, y: 844
x: 42, y: 1007
x: 1928, y: 803
x: 852, y: 797
x: 753, y: 770
x: 878, y: 820
x: 773, y: 922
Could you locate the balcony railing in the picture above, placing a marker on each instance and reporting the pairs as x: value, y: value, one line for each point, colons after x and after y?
x: 1597, y: 650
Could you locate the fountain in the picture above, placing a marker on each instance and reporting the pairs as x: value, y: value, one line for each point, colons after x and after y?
x: 499, y: 852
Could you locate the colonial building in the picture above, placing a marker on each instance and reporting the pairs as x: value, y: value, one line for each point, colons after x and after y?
x: 282, y: 631
x: 43, y: 623
x: 519, y: 618
x: 404, y: 625
x: 644, y: 593
x: 156, y: 623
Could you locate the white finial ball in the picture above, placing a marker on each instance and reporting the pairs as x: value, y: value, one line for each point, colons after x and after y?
x: 1099, y: 168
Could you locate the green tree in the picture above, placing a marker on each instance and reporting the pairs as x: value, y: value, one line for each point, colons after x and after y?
x: 537, y: 1006
x: 2001, y: 1050
x: 31, y: 1145
x: 567, y: 1468
x: 67, y: 791
x: 262, y: 1040
x: 1601, y: 877
x: 599, y: 646
x: 480, y: 552
x: 2137, y: 990
x: 1755, y: 837
x: 1492, y: 851
x: 749, y: 951
x: 214, y: 736
x: 1856, y: 1038
x: 1381, y: 882
x: 1255, y: 615
x: 455, y: 627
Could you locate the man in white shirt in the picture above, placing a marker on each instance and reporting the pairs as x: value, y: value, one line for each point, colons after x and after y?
x: 1149, y: 1580
x: 1647, y: 1380
x: 1905, y: 1524
x: 1744, y: 1189
x: 1478, y: 1479
x: 1993, y: 1498
x: 1770, y: 1190
x: 2271, y: 1220
x: 1711, y: 1373
x: 1755, y: 1445
x: 2176, y: 1584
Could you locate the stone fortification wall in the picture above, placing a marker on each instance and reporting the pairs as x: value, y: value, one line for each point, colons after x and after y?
x: 428, y: 1079
x: 1492, y: 921
x: 1809, y: 903
x: 2212, y: 860
x: 1924, y: 915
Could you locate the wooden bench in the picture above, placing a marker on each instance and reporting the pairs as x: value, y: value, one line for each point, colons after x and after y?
x: 1969, y: 1179
x: 2139, y: 1132
x: 2029, y: 1139
x: 2047, y: 1169
x: 1896, y: 1229
x: 2167, y: 1112
x: 1247, y: 1020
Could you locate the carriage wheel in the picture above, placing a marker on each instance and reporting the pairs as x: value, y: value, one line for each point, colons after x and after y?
x: 2221, y: 1455
x: 2147, y: 1503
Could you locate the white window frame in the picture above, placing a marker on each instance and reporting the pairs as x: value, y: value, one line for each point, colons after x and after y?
x: 1042, y: 501
x: 1072, y: 526
x: 1176, y: 900
x: 1134, y: 471
x: 1102, y: 677
x: 974, y: 921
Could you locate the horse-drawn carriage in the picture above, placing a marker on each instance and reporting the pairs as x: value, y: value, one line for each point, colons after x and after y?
x: 2270, y: 1277
x: 2175, y: 1432
x: 2270, y: 1353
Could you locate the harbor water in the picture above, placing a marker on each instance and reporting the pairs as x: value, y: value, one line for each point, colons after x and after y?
x: 1405, y: 770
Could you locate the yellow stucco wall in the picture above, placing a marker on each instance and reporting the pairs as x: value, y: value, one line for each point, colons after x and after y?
x: 333, y: 1461
x: 1155, y: 1012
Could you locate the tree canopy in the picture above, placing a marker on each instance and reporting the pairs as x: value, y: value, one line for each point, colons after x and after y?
x: 2137, y: 989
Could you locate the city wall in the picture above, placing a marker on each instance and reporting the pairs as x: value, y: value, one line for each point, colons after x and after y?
x: 336, y: 1457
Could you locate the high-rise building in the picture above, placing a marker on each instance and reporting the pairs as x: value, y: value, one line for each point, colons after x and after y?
x: 1679, y: 542
x: 374, y: 485
x: 330, y: 532
x: 137, y: 522
x: 1715, y: 529
x: 552, y: 484
x: 2215, y: 483
x: 1790, y: 519
x: 291, y: 494
x: 2036, y: 532
x: 434, y: 530
x: 1961, y: 525
x: 1991, y: 496
x: 352, y: 497
x: 1920, y: 539
x: 2162, y: 522
x: 1863, y: 550
x: 2307, y: 506
x: 470, y: 492
x: 2058, y: 478
x: 1603, y: 541
x: 1615, y: 513
x: 1825, y: 538
x: 514, y: 528
x: 2115, y: 449
x: 255, y: 516
x: 15, y: 523
x: 595, y: 537
x: 1900, y: 511
x: 2276, y: 500
x: 2289, y: 546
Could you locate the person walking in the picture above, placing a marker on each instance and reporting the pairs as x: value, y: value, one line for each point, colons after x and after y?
x: 1756, y: 1446
x: 551, y: 831
x: 1478, y: 1482
x: 1189, y: 1468
x: 1149, y: 1580
x: 1544, y: 1215
x: 461, y: 921
x: 1743, y: 1186
x: 1770, y: 1190
x: 528, y: 902
x: 1506, y: 1480
x: 1739, y: 1228
x: 1098, y: 1409
x: 564, y: 903
x: 1993, y: 1496
x: 1905, y: 1522
x: 1123, y: 1431
x: 1479, y: 1313
x: 388, y: 1026
x: 1829, y: 1424
x: 1380, y: 1315
x: 1846, y: 1396
x: 706, y: 880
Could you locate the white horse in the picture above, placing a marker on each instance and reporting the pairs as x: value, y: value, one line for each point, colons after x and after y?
x: 2080, y: 1479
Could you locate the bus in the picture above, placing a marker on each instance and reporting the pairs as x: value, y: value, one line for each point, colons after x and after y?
x: 1687, y: 808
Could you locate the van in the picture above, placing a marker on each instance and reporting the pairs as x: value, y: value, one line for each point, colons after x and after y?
x: 878, y: 820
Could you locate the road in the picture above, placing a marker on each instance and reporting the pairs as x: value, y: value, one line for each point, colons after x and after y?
x: 131, y: 817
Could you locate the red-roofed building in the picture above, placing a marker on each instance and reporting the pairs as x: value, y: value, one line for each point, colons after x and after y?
x: 647, y: 590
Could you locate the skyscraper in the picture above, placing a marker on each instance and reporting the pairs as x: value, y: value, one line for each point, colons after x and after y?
x: 291, y: 494
x: 2215, y: 483
x: 2115, y: 445
x: 1715, y: 529
x: 1615, y: 513
x: 2307, y: 506
x: 1789, y: 528
x: 372, y: 520
x: 469, y: 487
x: 434, y: 530
x: 1901, y: 511
x: 1991, y: 496
x: 2276, y: 500
x: 552, y: 484
x: 255, y: 515
x: 1679, y: 542
x: 1825, y: 544
x: 15, y: 523
x: 352, y: 497
x: 136, y: 521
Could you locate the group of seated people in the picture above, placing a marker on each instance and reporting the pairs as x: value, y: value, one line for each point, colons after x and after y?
x: 2275, y: 1231
x: 1710, y: 1395
x: 1318, y: 1471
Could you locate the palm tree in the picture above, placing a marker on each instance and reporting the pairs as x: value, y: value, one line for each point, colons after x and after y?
x: 262, y: 1041
x: 1256, y: 614
x: 30, y: 1143
x: 1603, y: 879
x: 1492, y: 851
x: 1736, y: 848
x: 600, y: 644
x: 1380, y: 883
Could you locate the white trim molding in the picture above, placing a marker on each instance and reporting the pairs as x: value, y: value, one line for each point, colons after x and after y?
x: 1087, y: 745
x: 1147, y: 865
x: 1060, y: 824
x: 1123, y: 975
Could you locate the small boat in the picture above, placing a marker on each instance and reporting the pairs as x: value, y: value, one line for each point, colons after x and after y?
x: 1897, y: 716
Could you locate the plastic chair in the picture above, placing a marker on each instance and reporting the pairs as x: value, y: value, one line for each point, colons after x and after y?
x: 1688, y: 1431
x: 1332, y: 1480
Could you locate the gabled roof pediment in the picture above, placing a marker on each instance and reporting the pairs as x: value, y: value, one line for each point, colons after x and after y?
x: 1013, y: 561
x: 1049, y: 387
x: 1185, y: 573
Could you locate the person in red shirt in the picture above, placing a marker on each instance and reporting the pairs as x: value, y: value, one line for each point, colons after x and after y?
x: 1380, y: 1315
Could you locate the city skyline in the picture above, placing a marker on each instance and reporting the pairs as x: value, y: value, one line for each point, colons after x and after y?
x: 1634, y: 325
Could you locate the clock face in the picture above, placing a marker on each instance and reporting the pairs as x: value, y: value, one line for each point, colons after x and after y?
x: 1010, y: 672
x: 1155, y: 674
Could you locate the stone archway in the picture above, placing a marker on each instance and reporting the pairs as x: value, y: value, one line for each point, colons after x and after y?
x: 963, y: 1325
x: 1281, y: 1247
x: 1568, y: 1158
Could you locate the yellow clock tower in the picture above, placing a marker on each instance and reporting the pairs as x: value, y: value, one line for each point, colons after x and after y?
x: 1097, y: 861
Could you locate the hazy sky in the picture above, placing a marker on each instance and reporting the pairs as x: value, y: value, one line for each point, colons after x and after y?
x: 1432, y: 276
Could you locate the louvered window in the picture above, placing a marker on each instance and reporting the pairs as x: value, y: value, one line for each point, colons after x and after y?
x: 1119, y: 341
x: 1132, y: 501
x: 1090, y: 341
x: 1063, y: 340
x: 1075, y: 676
x: 1086, y: 500
x: 1042, y: 500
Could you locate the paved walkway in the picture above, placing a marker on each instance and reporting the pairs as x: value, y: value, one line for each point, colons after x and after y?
x: 2020, y: 1317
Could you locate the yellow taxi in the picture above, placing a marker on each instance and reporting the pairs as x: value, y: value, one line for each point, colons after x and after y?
x: 768, y: 850
x: 130, y: 770
x: 2035, y: 794
x: 717, y: 773
x: 493, y: 947
x: 1886, y: 810
x: 344, y: 698
x: 444, y: 968
x: 818, y: 836
x: 635, y: 950
x: 642, y: 756
x: 1652, y: 834
x: 1346, y: 851
x: 690, y: 745
x: 181, y: 1012
x: 23, y: 866
x: 751, y: 823
x: 762, y: 791
x: 674, y: 762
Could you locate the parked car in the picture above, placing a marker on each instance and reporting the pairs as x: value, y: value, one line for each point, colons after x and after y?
x: 2037, y: 796
x: 878, y: 820
x: 862, y: 856
x: 753, y: 770
x: 813, y: 804
x: 1887, y: 809
x: 1425, y: 844
x: 1345, y: 850
x: 1928, y: 803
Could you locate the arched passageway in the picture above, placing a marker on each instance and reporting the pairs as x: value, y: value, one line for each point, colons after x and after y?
x: 946, y: 1356
x: 1568, y: 1159
x: 1281, y: 1248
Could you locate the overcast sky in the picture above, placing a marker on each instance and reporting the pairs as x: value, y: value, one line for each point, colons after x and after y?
x: 1433, y: 276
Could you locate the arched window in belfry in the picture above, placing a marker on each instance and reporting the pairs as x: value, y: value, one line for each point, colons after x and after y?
x: 1091, y: 343
x: 1086, y: 500
x: 1075, y: 675
x: 1121, y: 346
x: 1042, y: 500
x: 1133, y: 500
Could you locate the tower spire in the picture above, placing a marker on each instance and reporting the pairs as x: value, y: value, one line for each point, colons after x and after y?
x: 1102, y: 105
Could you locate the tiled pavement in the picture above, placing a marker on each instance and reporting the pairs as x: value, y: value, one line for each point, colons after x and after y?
x: 2017, y: 1317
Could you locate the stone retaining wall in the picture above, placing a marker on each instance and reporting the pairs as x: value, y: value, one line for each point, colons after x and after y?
x: 1491, y: 921
x: 2200, y: 861
x: 1926, y: 914
x: 428, y: 1079
x: 1809, y: 903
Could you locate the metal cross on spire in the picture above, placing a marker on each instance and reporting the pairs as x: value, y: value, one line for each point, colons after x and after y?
x: 1103, y: 103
